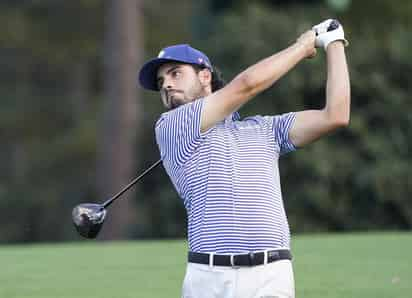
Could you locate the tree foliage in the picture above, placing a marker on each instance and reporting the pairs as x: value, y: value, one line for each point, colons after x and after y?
x: 51, y: 87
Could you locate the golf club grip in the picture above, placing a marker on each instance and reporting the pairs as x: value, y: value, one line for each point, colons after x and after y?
x: 133, y: 182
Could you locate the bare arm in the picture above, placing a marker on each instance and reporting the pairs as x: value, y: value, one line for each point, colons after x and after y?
x: 312, y: 124
x: 255, y: 79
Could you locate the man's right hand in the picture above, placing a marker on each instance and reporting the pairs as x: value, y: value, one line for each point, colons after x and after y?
x: 329, y: 31
x: 307, y: 40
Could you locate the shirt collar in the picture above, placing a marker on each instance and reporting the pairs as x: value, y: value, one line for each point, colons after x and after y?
x: 235, y: 116
x: 232, y: 117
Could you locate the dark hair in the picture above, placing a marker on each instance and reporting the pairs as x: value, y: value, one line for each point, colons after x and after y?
x: 217, y: 79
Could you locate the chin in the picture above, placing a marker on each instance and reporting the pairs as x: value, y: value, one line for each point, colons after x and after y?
x: 176, y: 102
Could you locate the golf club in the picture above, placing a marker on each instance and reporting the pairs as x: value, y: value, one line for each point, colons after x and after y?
x: 88, y: 218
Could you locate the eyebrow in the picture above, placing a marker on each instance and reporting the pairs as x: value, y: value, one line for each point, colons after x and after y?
x: 169, y: 71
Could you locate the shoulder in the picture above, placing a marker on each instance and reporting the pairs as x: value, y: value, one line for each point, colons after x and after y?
x: 163, y: 117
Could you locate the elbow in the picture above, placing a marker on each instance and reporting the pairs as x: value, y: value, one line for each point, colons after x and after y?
x: 342, y: 121
x: 336, y: 122
x: 245, y: 85
x: 339, y: 119
x: 339, y: 114
x: 342, y: 118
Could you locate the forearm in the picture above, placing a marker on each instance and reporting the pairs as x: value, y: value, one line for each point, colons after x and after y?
x: 338, y: 85
x: 255, y: 79
x: 310, y: 125
x: 266, y: 72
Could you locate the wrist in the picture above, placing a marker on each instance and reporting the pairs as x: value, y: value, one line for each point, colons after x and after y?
x: 303, y: 49
x: 339, y: 43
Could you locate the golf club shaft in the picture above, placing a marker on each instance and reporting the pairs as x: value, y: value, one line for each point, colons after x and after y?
x: 133, y: 182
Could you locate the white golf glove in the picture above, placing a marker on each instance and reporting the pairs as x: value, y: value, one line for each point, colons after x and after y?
x: 328, y: 31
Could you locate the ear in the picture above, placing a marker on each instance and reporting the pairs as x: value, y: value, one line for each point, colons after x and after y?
x: 205, y: 77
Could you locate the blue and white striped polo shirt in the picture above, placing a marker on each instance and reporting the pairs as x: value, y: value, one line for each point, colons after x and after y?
x: 228, y: 178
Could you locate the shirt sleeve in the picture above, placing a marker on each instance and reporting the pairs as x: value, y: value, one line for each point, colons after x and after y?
x: 178, y: 132
x: 281, y: 126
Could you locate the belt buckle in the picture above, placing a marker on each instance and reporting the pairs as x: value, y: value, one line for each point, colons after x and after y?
x: 232, y: 262
x: 251, y: 259
x: 273, y: 255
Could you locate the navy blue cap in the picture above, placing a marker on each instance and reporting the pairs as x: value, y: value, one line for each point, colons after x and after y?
x: 178, y: 53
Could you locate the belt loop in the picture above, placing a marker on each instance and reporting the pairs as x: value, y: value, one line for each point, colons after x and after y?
x: 265, y: 257
x: 232, y: 260
x: 211, y: 259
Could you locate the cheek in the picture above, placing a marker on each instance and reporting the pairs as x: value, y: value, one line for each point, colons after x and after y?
x: 196, y: 87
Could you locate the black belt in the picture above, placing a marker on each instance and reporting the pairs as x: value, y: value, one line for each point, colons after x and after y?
x: 250, y: 259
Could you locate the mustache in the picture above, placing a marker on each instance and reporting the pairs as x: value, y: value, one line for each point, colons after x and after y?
x: 168, y: 91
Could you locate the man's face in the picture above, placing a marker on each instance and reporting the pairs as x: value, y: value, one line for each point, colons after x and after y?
x: 180, y: 84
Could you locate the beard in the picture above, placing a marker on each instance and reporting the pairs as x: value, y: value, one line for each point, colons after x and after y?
x: 177, y: 98
x: 173, y: 98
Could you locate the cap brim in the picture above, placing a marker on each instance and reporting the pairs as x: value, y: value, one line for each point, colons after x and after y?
x: 148, y: 73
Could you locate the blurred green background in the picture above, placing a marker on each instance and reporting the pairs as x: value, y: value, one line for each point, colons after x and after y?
x: 75, y: 127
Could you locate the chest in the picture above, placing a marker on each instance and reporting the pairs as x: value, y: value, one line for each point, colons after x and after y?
x: 241, y: 139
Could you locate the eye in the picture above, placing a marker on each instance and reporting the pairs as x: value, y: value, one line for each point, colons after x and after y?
x: 176, y: 73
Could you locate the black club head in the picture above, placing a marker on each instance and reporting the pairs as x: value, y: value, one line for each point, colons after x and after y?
x: 88, y: 219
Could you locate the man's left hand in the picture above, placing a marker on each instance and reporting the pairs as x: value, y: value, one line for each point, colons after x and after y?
x: 329, y: 31
x: 307, y: 40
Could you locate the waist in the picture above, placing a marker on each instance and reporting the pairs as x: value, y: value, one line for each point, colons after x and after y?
x: 240, y: 260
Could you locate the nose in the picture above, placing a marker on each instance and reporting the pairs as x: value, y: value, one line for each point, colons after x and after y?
x: 167, y: 84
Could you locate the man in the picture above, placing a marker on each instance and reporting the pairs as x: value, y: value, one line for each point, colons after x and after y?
x: 226, y: 169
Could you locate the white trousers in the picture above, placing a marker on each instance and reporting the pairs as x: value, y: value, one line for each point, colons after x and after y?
x: 273, y: 280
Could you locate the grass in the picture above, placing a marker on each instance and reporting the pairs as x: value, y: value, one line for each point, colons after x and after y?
x: 360, y: 265
x: 334, y: 266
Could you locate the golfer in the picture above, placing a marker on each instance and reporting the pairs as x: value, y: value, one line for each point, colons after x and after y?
x: 225, y: 168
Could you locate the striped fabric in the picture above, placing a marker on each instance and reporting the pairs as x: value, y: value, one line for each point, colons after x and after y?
x: 228, y: 178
